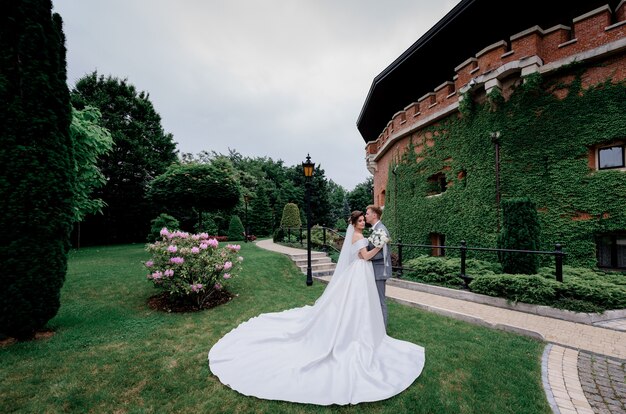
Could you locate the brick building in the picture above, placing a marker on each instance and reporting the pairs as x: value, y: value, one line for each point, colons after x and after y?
x: 469, y: 57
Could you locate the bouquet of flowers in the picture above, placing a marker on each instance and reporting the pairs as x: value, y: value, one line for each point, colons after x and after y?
x: 378, y: 238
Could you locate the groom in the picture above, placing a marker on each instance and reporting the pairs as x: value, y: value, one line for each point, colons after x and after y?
x: 381, y: 264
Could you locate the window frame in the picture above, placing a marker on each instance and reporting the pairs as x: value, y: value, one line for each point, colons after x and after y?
x: 621, y: 146
x: 613, y: 248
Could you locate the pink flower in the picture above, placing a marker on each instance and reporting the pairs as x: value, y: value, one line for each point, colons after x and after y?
x: 195, y: 237
x: 172, y: 249
x: 164, y: 232
x: 228, y: 265
x: 157, y: 275
x: 177, y: 260
x: 218, y: 286
x: 195, y: 250
x: 203, y: 236
x: 149, y: 263
x: 219, y: 267
x: 213, y: 243
x: 169, y: 273
x: 226, y: 275
x: 234, y: 247
x: 196, y: 287
x: 204, y: 246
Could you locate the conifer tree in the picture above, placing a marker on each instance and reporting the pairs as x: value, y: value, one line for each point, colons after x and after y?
x: 36, y: 166
x: 520, y: 231
x: 235, y: 229
x: 260, y: 218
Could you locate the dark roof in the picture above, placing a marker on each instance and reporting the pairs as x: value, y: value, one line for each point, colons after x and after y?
x: 468, y: 28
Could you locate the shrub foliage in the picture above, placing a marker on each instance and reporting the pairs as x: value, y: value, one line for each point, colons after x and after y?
x: 36, y: 166
x: 191, y: 267
x: 520, y: 231
x: 291, y: 217
x: 235, y: 229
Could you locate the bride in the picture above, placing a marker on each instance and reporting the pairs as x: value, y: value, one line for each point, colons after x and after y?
x: 333, y: 352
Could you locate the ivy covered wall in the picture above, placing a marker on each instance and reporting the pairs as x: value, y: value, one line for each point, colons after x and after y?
x: 547, y: 127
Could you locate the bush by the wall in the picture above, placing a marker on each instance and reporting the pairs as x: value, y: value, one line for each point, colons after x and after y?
x: 520, y: 231
x: 583, y: 290
x: 531, y: 289
x: 443, y: 271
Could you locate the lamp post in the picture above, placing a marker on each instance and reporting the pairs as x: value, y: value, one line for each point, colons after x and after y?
x: 307, y: 168
x: 246, y: 198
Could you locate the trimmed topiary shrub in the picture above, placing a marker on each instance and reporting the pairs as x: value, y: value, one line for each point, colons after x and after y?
x: 520, y: 231
x: 235, y: 229
x: 291, y: 217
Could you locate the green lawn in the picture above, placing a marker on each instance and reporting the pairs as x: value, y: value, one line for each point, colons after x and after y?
x: 112, y: 354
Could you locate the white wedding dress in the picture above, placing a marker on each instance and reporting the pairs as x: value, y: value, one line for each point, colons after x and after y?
x: 334, y: 352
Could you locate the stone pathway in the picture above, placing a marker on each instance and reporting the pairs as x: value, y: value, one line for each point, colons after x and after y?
x: 583, y: 366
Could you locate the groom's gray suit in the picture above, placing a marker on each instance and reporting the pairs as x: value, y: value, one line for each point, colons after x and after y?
x: 381, y: 272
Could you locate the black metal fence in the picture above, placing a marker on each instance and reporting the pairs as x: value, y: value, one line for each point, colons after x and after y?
x: 557, y: 253
x: 330, y: 234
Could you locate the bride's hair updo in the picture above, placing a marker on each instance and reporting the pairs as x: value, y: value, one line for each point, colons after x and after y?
x: 354, y: 217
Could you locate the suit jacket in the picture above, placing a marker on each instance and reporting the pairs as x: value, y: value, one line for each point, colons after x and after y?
x: 381, y: 272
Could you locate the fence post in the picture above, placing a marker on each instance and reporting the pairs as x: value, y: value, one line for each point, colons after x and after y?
x: 463, y: 256
x: 558, y: 256
x: 399, y: 272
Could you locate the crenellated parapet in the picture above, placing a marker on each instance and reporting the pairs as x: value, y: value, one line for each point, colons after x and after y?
x: 594, y: 35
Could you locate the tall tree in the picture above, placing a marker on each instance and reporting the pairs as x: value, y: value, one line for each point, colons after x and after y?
x: 36, y: 166
x: 90, y: 141
x: 261, y: 217
x: 362, y: 195
x: 142, y: 151
x: 337, y: 198
x: 202, y: 187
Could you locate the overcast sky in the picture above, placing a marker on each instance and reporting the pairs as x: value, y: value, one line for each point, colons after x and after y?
x: 269, y: 78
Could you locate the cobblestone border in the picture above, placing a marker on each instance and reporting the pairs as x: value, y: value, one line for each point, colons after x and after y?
x: 546, y: 382
x: 604, y: 382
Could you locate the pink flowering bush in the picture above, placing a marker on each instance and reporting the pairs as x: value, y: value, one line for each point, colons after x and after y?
x: 191, y: 267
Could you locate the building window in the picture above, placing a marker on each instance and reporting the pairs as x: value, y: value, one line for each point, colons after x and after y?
x: 437, y: 184
x: 611, y: 157
x: 611, y: 250
x: 437, y: 239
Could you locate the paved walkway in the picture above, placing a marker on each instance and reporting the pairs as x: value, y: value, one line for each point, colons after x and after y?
x: 583, y: 366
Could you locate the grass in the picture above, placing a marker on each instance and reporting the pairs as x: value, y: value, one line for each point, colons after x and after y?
x: 113, y: 354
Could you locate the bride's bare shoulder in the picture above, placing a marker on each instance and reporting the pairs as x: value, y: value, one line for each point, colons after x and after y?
x: 356, y: 237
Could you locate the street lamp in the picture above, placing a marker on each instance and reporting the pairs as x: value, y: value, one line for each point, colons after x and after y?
x: 308, y: 168
x: 246, y: 198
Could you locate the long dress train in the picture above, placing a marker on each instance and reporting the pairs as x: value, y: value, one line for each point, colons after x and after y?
x: 333, y: 352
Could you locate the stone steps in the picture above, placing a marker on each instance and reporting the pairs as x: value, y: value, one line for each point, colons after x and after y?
x: 321, y: 264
